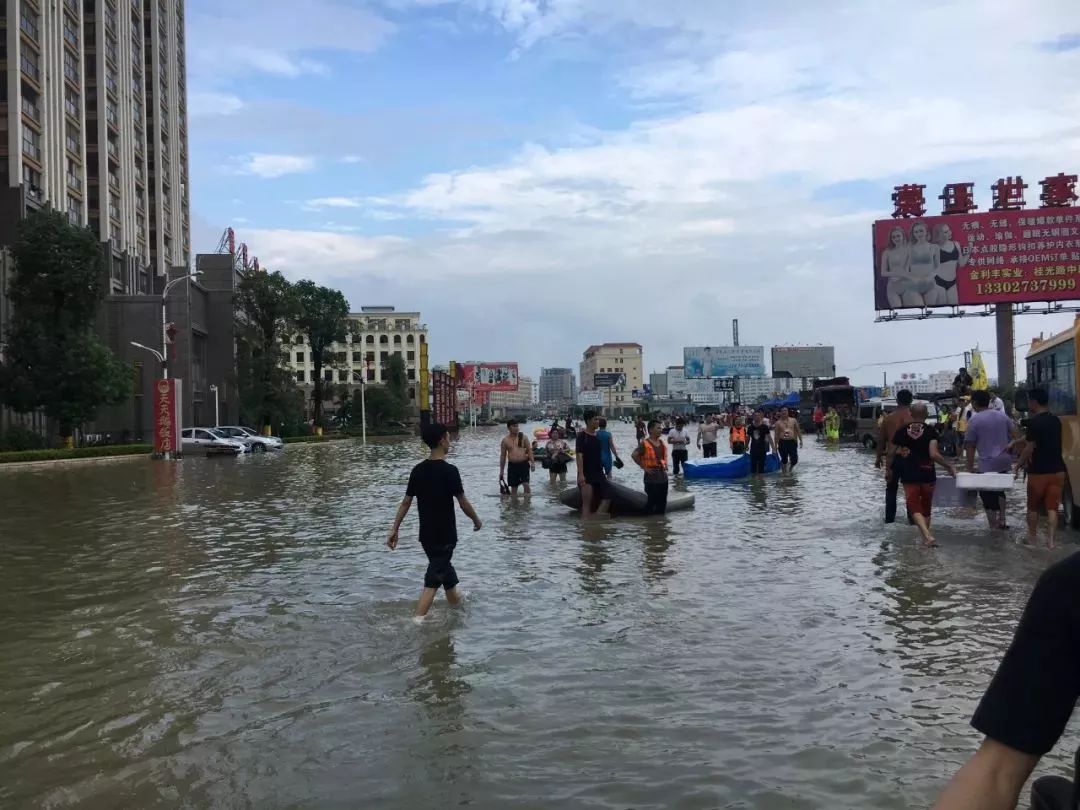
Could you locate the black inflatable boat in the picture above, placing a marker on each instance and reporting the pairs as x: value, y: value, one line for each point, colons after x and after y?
x: 628, y: 501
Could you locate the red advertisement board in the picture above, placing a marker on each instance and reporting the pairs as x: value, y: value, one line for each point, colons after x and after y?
x: 444, y: 399
x: 483, y: 377
x: 167, y: 417
x: 980, y: 258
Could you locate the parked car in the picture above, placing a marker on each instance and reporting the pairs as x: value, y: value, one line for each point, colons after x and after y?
x: 206, y: 440
x: 871, y: 411
x: 255, y: 442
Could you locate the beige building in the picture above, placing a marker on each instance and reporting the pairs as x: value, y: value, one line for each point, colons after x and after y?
x: 95, y: 111
x: 618, y: 358
x: 503, y: 403
x: 375, y: 334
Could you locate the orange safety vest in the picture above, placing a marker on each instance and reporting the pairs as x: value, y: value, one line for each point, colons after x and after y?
x: 738, y: 434
x: 649, y: 458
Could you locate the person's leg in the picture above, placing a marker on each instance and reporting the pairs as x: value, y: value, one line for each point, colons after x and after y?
x: 427, y: 596
x: 1034, y: 499
x: 652, y: 502
x: 1053, y: 502
x: 892, y: 486
x: 662, y: 498
x: 990, y: 506
x: 586, y: 501
x: 794, y: 453
x: 450, y: 582
x: 913, y: 494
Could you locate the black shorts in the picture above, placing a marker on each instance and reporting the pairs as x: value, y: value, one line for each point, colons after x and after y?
x: 738, y: 448
x: 789, y: 451
x: 601, y: 490
x: 992, y: 501
x: 517, y: 473
x: 440, y: 571
x: 709, y: 449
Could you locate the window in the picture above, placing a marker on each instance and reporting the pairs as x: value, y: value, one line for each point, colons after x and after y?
x: 31, y: 146
x: 72, y: 140
x: 328, y: 376
x: 412, y: 374
x: 29, y: 62
x: 409, y: 339
x: 71, y: 67
x: 28, y: 23
x: 300, y: 340
x: 340, y: 357
x: 343, y: 376
x: 74, y: 210
x: 370, y: 340
x: 370, y: 357
x: 74, y: 182
x: 357, y: 357
x: 299, y: 357
x: 411, y: 357
x: 71, y: 102
x: 371, y: 375
x: 384, y: 358
x: 383, y: 340
x: 300, y: 376
x: 397, y: 340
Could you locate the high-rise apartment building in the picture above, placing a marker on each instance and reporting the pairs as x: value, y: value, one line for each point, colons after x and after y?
x: 93, y: 101
x: 557, y: 385
x: 617, y: 358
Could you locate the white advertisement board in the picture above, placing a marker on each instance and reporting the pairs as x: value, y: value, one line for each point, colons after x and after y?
x: 593, y: 398
x: 724, y: 361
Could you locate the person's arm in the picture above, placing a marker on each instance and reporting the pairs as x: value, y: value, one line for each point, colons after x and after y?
x: 699, y: 437
x: 579, y: 448
x: 532, y: 458
x: 470, y: 513
x: 502, y: 459
x: 611, y: 444
x: 403, y: 509
x: 636, y: 456
x: 798, y: 432
x: 935, y: 454
x: 991, y: 780
x: 969, y: 451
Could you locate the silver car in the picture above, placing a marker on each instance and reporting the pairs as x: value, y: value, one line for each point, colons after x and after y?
x: 255, y: 442
x: 208, y: 441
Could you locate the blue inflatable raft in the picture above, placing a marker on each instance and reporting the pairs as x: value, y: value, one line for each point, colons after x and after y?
x: 727, y: 466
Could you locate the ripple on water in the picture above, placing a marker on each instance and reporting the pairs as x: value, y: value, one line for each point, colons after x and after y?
x: 235, y: 633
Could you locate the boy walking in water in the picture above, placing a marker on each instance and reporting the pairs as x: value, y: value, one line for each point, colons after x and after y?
x: 515, y: 459
x: 435, y: 483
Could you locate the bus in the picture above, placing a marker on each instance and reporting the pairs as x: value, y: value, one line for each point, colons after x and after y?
x: 1051, y: 364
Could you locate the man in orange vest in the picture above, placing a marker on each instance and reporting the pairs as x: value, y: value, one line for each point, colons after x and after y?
x: 651, y: 456
x: 737, y: 436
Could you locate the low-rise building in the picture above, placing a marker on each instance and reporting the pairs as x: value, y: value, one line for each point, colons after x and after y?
x: 376, y: 333
x: 507, y: 403
x: 614, y: 358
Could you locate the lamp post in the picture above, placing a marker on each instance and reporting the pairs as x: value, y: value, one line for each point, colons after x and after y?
x: 165, y: 322
x: 363, y: 402
x: 217, y: 416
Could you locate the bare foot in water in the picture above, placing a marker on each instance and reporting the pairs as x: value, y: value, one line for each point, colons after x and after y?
x: 930, y: 542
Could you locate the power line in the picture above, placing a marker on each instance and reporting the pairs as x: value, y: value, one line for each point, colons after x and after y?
x: 928, y: 359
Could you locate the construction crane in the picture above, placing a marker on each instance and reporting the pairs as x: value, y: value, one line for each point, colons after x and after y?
x: 241, y: 262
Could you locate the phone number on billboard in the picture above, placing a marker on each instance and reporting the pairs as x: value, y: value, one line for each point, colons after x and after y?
x: 1042, y: 285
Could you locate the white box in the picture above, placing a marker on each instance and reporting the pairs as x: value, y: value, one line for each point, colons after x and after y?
x: 988, y: 482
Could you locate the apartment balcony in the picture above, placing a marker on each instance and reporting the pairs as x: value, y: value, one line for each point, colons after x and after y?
x: 71, y: 107
x: 29, y: 27
x: 111, y: 84
x: 32, y: 111
x: 114, y: 151
x: 74, y: 182
x: 73, y: 7
x: 30, y: 70
x: 72, y: 146
x: 114, y: 182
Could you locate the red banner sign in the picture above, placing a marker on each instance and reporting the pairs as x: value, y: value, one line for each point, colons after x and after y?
x: 167, y: 417
x: 444, y: 399
x: 483, y: 377
x: 985, y: 258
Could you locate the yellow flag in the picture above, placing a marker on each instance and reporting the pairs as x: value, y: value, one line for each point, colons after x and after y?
x: 978, y: 372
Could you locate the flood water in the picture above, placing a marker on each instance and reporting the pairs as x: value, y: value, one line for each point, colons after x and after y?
x: 234, y: 633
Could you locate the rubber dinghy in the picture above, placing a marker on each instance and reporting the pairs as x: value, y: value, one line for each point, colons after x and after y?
x: 727, y: 466
x: 628, y: 501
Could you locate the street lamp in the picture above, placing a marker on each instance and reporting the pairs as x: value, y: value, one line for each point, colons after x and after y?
x: 363, y: 402
x: 217, y: 418
x: 165, y: 322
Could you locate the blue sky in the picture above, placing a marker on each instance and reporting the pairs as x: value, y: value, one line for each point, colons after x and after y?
x: 538, y: 175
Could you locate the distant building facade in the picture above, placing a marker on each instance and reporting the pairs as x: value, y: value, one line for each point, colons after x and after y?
x: 375, y: 334
x: 658, y: 383
x: 506, y: 403
x: 618, y: 358
x: 557, y: 386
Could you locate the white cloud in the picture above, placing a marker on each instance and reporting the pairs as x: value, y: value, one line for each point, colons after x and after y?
x: 209, y: 104
x: 353, y: 159
x: 724, y: 198
x: 333, y: 202
x: 270, y: 166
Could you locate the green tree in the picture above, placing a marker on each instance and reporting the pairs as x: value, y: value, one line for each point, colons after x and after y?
x: 322, y: 315
x: 265, y: 310
x: 53, y: 358
x: 397, y: 383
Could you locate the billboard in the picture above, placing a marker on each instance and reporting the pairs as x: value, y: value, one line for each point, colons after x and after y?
x: 724, y: 361
x: 609, y: 379
x: 979, y: 258
x: 804, y: 361
x: 167, y: 401
x: 444, y: 396
x: 484, y: 377
x: 587, y: 398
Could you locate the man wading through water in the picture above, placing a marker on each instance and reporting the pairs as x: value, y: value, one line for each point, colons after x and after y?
x: 889, y: 425
x: 651, y: 456
x: 788, y: 439
x: 515, y: 459
x: 591, y: 480
x: 706, y: 436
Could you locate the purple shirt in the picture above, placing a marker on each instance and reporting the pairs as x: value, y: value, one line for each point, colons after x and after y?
x: 989, y: 431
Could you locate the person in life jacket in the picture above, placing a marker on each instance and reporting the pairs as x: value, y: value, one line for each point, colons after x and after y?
x: 651, y: 456
x: 737, y: 436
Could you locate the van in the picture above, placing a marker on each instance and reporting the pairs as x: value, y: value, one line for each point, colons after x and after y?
x: 871, y: 411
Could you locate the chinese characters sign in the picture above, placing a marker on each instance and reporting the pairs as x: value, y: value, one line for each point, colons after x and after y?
x: 444, y: 399
x: 167, y: 417
x: 484, y: 377
x: 977, y: 258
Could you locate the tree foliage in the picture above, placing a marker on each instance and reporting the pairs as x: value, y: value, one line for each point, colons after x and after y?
x: 53, y: 359
x: 265, y: 312
x: 322, y: 315
x: 389, y: 401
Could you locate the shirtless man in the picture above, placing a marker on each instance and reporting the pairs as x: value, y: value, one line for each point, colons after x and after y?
x: 788, y: 439
x: 516, y: 459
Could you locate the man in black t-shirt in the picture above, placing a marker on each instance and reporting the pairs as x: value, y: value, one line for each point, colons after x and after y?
x: 914, y: 451
x: 760, y: 435
x: 435, y: 484
x: 1024, y: 712
x: 1046, y: 468
x: 591, y: 480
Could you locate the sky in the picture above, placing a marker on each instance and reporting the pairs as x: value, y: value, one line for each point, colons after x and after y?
x: 535, y: 176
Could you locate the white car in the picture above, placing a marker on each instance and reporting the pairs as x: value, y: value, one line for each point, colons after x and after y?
x: 255, y: 442
x: 210, y: 442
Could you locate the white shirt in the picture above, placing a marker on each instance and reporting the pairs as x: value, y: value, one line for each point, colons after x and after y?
x: 678, y: 439
x: 996, y: 404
